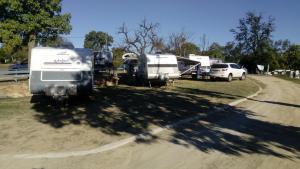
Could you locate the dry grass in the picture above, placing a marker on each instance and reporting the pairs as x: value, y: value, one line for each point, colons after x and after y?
x: 4, y: 65
x: 14, y: 89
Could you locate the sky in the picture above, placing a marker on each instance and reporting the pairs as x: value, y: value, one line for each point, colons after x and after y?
x: 214, y: 18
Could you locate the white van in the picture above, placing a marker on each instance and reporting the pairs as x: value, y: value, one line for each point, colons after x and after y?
x: 60, y: 72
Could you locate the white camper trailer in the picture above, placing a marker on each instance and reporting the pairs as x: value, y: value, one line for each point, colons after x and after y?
x: 130, y: 63
x: 158, y: 67
x: 194, y: 65
x: 204, y: 60
x: 204, y: 66
x: 103, y: 60
x: 61, y: 72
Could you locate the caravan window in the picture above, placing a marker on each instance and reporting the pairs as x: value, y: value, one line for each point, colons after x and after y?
x: 61, y: 76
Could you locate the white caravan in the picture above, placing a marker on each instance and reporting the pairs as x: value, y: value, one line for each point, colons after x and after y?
x: 204, y: 60
x: 189, y: 65
x: 103, y: 60
x: 204, y: 64
x: 130, y: 63
x: 158, y: 67
x: 60, y: 72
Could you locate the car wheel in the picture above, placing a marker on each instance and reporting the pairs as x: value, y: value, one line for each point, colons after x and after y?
x: 229, y: 79
x: 243, y: 77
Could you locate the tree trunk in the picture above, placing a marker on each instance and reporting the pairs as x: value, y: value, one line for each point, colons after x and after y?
x: 31, y: 44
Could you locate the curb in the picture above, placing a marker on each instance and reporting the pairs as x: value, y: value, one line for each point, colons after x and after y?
x: 234, y: 103
x: 126, y: 141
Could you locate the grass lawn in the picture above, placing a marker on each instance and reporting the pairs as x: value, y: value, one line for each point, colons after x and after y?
x: 289, y: 79
x: 39, y: 124
x: 217, y: 91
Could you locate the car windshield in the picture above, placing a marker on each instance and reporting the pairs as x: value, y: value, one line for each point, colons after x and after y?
x: 219, y: 66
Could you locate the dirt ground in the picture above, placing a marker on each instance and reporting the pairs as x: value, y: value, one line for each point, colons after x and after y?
x: 263, y: 132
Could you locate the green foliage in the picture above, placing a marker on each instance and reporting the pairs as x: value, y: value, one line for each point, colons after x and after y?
x: 118, y: 53
x: 292, y: 57
x: 266, y: 55
x: 232, y: 53
x: 19, y: 55
x: 281, y: 46
x: 24, y: 22
x: 252, y: 32
x: 97, y: 40
x: 2, y: 55
x: 217, y: 51
x: 57, y: 42
x: 189, y: 48
x: 254, y: 43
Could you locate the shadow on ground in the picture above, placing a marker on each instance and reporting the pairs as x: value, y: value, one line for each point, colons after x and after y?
x: 126, y: 110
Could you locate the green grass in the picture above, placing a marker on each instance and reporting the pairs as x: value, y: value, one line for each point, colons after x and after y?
x: 218, y: 91
x: 297, y: 81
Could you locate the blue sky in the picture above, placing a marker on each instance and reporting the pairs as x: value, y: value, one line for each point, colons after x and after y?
x: 197, y: 17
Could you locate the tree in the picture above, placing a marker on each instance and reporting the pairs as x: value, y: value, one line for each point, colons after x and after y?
x: 292, y: 57
x: 252, y: 32
x: 25, y: 22
x: 118, y: 53
x: 232, y: 53
x: 189, y: 48
x: 215, y: 50
x: 19, y: 55
x: 204, y: 43
x: 58, y: 42
x: 281, y: 46
x: 253, y: 39
x: 142, y: 40
x: 176, y: 40
x: 159, y: 45
x: 2, y: 55
x: 97, y: 40
x: 267, y: 55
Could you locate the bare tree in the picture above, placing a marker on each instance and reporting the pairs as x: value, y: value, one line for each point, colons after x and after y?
x: 143, y: 40
x: 204, y: 43
x: 176, y: 40
x: 159, y: 45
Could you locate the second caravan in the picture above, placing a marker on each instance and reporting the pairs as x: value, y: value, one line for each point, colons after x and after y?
x: 152, y: 67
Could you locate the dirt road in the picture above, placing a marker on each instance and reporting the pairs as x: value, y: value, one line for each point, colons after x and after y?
x: 263, y: 132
